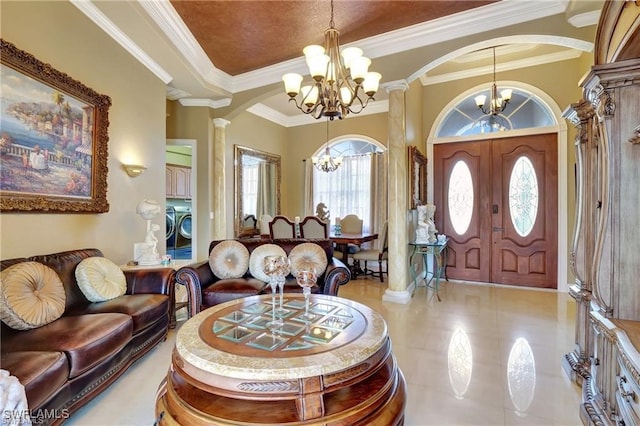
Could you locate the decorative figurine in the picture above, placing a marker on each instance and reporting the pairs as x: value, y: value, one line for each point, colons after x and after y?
x: 426, y: 230
x: 147, y: 253
x: 322, y: 212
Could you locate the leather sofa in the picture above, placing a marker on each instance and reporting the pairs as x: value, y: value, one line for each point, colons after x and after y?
x: 67, y: 362
x: 205, y: 289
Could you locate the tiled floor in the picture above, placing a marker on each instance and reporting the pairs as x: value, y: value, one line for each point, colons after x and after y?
x: 485, y: 355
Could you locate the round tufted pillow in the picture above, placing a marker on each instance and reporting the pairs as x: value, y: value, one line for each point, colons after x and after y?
x: 100, y: 279
x: 308, y: 255
x: 31, y: 295
x: 257, y: 257
x: 229, y: 259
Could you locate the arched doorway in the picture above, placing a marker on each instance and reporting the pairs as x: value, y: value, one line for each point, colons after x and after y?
x: 478, y: 164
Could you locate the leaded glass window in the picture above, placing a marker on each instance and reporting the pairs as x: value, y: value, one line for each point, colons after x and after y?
x: 460, y: 197
x: 523, y: 196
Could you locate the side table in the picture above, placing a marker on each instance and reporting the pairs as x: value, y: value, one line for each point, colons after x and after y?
x: 175, y: 265
x: 439, y: 251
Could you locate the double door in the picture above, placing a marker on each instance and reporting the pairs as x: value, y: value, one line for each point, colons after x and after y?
x: 497, y: 203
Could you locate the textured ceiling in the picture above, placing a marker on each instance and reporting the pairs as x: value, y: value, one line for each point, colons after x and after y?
x: 241, y: 36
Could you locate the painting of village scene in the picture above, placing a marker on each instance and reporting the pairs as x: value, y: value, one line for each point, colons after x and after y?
x: 45, y: 139
x: 51, y: 158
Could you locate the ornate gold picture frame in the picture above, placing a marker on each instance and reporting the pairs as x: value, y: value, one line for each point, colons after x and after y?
x: 417, y: 178
x: 53, y: 139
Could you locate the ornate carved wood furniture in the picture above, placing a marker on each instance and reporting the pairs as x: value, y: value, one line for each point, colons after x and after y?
x: 604, y: 256
x: 336, y: 368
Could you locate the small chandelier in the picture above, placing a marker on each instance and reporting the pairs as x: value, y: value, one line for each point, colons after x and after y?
x: 326, y: 163
x: 497, y: 104
x: 337, y: 84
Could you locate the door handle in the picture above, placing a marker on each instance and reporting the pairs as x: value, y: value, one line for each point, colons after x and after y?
x: 496, y: 229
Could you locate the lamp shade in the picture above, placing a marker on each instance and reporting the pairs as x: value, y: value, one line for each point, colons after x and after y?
x: 292, y: 83
x: 371, y: 83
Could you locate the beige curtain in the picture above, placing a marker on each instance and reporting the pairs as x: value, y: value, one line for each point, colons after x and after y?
x: 266, y: 196
x: 308, y: 208
x: 379, y: 190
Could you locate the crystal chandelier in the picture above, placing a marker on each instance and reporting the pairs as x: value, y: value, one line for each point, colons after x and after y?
x: 326, y: 163
x: 337, y: 84
x: 497, y: 104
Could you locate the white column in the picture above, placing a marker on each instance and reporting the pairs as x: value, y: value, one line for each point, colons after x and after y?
x: 218, y: 183
x: 398, y: 198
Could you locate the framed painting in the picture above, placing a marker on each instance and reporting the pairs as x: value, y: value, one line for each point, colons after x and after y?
x: 417, y: 177
x: 53, y: 139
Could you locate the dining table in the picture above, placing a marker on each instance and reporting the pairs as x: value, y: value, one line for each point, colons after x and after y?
x: 343, y: 240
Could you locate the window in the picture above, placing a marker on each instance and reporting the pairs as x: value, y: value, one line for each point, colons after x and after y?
x: 348, y: 189
x: 523, y: 111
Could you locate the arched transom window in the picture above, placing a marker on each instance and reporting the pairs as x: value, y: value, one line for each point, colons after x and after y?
x: 524, y: 111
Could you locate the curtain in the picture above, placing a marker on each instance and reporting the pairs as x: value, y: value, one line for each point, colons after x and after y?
x: 379, y: 190
x: 309, y: 207
x: 266, y: 190
x: 347, y: 190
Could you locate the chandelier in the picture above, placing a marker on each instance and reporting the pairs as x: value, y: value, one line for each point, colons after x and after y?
x: 326, y: 163
x: 337, y: 84
x: 497, y: 104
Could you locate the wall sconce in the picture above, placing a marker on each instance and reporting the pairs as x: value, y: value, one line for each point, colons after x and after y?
x: 134, y: 170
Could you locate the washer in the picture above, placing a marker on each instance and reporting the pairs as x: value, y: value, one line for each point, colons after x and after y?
x: 170, y: 220
x: 183, y: 227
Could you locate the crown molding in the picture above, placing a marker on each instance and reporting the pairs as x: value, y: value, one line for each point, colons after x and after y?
x: 174, y: 94
x: 563, y: 55
x: 172, y: 25
x: 495, y: 15
x: 585, y: 19
x: 104, y: 23
x: 209, y: 103
x: 261, y: 110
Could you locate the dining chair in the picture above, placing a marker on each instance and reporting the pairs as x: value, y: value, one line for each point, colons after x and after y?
x: 350, y: 224
x: 379, y: 254
x: 281, y: 227
x: 312, y: 227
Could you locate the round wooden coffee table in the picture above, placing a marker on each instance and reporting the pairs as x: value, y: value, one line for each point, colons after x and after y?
x: 230, y: 368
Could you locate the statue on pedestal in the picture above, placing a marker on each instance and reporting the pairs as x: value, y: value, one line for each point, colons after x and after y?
x: 426, y: 230
x: 147, y: 253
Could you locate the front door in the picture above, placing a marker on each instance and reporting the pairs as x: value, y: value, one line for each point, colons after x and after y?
x: 497, y: 203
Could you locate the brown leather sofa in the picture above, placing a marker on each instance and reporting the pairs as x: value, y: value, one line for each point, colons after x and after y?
x: 67, y: 362
x: 204, y: 289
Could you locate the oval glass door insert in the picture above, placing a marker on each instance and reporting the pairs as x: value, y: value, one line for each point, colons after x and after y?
x: 460, y: 197
x: 523, y: 196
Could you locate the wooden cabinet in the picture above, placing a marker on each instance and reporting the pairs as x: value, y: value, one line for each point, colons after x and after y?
x: 178, y: 181
x: 604, y: 256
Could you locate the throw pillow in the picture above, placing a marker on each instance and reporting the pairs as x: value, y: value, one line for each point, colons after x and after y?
x: 31, y: 295
x: 100, y: 279
x: 308, y: 255
x: 229, y: 259
x: 257, y: 258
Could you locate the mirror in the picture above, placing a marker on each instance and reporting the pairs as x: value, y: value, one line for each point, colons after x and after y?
x: 257, y: 188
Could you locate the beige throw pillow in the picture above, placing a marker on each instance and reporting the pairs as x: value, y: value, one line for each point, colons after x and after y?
x: 31, y: 295
x: 229, y: 259
x: 100, y: 279
x: 308, y: 255
x: 257, y: 258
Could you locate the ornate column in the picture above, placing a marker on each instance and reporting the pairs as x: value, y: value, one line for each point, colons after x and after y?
x: 398, y: 198
x: 218, y: 182
x: 582, y: 115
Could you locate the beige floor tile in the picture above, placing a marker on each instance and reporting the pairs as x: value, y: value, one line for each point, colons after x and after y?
x: 464, y: 359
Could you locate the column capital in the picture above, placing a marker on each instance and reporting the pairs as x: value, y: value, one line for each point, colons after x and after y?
x: 221, y: 122
x: 396, y: 85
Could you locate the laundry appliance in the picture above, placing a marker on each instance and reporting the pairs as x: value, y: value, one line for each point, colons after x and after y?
x: 183, y: 232
x: 170, y: 218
